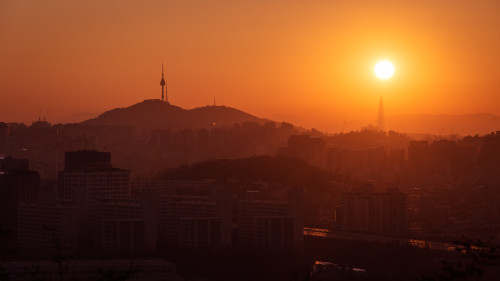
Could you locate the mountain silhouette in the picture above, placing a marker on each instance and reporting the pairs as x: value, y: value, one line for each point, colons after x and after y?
x: 466, y: 124
x: 156, y: 114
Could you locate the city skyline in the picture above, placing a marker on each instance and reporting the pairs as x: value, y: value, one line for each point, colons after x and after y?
x: 311, y: 62
x: 281, y: 140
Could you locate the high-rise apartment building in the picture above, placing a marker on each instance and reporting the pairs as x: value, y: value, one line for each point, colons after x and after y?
x: 191, y: 214
x: 271, y: 224
x: 365, y: 211
x: 88, y: 177
x: 43, y: 226
x: 17, y: 184
x: 127, y: 225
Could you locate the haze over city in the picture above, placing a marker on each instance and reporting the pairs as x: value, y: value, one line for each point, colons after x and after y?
x: 223, y: 140
x: 309, y: 63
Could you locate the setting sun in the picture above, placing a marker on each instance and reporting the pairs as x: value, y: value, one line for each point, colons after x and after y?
x: 384, y: 69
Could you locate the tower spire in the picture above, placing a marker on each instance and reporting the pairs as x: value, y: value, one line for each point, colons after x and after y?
x: 381, y: 117
x: 163, y: 85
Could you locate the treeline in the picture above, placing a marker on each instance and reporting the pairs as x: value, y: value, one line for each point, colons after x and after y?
x: 280, y: 170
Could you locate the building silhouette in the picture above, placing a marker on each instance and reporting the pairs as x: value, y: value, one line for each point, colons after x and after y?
x: 44, y: 224
x: 126, y: 225
x: 17, y: 185
x: 89, y: 177
x: 87, y: 160
x: 271, y: 224
x: 381, y: 213
x: 4, y: 138
x: 418, y: 154
x: 191, y: 214
x: 490, y: 150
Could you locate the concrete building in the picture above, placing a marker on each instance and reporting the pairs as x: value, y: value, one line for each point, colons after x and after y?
x: 127, y: 225
x: 388, y: 214
x: 191, y: 214
x: 365, y: 211
x: 16, y: 185
x: 418, y: 154
x: 89, y: 174
x: 86, y: 185
x: 271, y: 224
x: 45, y: 225
x: 355, y: 212
x: 86, y: 159
x: 11, y: 164
x: 85, y: 182
x: 201, y: 232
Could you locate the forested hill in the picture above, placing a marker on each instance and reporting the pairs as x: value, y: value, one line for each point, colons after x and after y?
x: 156, y: 114
x: 287, y: 171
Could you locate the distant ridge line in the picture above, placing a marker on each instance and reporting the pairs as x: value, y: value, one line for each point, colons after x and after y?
x: 155, y: 114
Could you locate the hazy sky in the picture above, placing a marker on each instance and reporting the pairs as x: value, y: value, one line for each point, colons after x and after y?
x: 309, y: 60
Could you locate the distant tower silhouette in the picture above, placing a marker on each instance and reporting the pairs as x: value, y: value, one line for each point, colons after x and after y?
x: 163, y: 86
x: 381, y: 118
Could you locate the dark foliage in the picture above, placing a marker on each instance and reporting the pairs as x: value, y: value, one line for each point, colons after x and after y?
x: 475, y: 258
x: 286, y: 171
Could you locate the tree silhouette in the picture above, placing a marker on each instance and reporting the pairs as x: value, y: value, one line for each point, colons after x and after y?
x: 58, y: 258
x: 475, y: 257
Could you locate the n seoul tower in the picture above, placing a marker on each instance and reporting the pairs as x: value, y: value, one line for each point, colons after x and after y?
x: 163, y: 86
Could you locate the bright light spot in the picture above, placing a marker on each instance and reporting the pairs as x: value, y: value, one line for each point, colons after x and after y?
x: 384, y: 69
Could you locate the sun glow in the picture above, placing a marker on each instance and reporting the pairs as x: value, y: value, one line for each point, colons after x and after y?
x: 384, y: 69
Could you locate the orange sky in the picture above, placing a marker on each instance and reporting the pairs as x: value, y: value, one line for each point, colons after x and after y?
x: 309, y: 60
